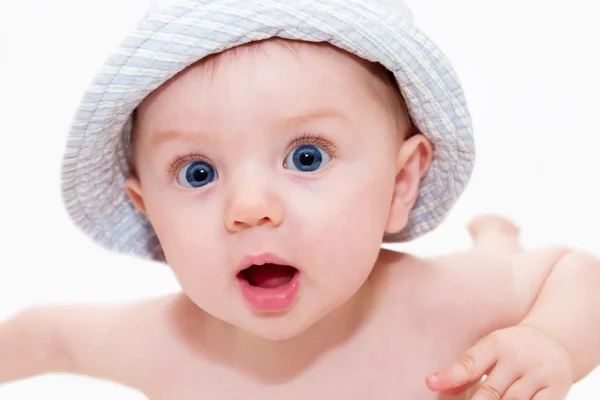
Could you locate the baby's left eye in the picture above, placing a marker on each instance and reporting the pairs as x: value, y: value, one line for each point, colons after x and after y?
x: 307, y: 158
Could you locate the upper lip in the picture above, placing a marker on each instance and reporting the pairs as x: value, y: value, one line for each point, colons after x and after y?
x: 261, y: 259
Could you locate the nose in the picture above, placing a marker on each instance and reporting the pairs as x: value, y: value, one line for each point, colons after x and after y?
x: 251, y: 205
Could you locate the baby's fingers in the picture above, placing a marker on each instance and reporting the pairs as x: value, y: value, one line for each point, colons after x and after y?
x: 475, y: 363
x: 527, y: 387
x: 550, y: 394
x: 524, y: 388
x: 497, y: 384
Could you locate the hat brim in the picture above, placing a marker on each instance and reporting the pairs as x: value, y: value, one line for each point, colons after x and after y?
x: 166, y: 42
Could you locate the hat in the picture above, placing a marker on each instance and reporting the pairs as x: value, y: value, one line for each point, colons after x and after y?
x: 176, y: 34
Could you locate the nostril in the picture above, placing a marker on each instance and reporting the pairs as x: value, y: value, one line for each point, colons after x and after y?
x: 264, y: 220
x: 251, y: 223
x: 247, y: 211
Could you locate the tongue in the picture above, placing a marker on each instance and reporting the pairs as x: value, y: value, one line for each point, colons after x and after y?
x: 269, y: 275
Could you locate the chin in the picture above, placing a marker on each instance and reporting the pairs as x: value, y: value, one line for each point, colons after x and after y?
x: 277, y: 327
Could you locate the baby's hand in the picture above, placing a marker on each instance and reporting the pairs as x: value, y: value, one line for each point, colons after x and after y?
x: 521, y: 363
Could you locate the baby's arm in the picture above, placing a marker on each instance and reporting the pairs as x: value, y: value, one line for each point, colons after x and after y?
x: 99, y: 341
x: 557, y: 289
x: 28, y: 346
x: 562, y: 299
x: 554, y: 291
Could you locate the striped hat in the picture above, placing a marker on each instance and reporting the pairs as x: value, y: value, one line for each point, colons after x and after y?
x: 176, y: 34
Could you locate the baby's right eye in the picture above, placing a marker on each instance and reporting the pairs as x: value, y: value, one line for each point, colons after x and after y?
x: 196, y: 174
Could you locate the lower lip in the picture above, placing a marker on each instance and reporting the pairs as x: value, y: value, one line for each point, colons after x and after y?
x: 271, y: 299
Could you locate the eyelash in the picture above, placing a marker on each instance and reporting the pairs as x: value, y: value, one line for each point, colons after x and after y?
x: 314, y: 139
x: 178, y: 161
x: 305, y: 138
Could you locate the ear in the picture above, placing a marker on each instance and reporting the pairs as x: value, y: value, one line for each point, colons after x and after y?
x: 413, y: 162
x: 133, y: 188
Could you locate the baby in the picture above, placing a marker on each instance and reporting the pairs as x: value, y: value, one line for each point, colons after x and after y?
x: 264, y: 150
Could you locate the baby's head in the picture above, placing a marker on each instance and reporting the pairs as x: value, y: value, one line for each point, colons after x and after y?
x: 294, y: 149
x: 261, y: 134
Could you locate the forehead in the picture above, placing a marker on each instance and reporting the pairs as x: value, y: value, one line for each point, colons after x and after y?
x: 315, y: 54
x: 272, y: 77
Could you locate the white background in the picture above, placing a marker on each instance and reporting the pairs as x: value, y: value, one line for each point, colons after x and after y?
x: 530, y: 70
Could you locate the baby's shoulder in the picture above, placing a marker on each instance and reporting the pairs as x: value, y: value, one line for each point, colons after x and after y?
x: 451, y: 293
x: 448, y: 273
x: 466, y: 292
x: 463, y: 269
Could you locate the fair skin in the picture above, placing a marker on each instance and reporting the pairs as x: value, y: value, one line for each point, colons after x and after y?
x: 365, y: 323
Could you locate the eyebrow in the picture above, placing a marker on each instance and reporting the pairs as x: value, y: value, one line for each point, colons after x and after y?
x: 312, y: 115
x: 317, y: 114
x: 162, y: 137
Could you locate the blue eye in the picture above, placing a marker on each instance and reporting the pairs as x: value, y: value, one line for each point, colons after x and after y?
x: 307, y: 158
x: 196, y: 174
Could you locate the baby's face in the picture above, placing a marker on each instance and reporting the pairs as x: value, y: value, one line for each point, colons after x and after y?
x: 272, y: 155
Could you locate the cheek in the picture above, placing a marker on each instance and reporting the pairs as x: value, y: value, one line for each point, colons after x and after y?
x: 343, y: 227
x: 186, y: 228
x: 354, y: 202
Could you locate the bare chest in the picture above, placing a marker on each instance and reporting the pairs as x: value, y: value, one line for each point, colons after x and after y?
x: 384, y: 366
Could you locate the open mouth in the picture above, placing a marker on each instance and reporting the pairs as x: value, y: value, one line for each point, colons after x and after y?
x: 268, y: 283
x: 268, y: 276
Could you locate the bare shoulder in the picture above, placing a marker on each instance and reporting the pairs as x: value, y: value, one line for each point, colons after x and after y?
x: 122, y: 343
x: 450, y: 278
x: 475, y: 289
x: 450, y: 290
